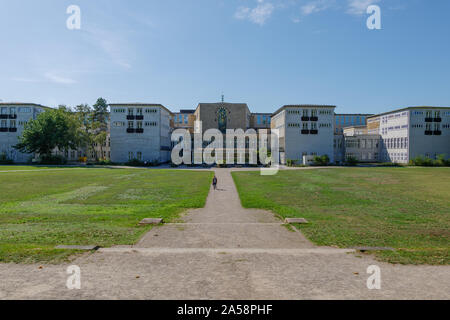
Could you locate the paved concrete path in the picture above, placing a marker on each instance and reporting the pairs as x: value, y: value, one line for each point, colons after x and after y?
x: 223, y: 251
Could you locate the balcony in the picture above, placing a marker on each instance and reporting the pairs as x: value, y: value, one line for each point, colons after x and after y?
x: 428, y: 133
x: 140, y: 117
x: 3, y: 116
x: 131, y: 130
x: 305, y: 118
x: 428, y: 119
x: 314, y: 119
x: 140, y: 130
x: 12, y: 129
x: 13, y: 116
x: 305, y: 131
x: 130, y: 117
x: 437, y: 133
x: 3, y: 129
x: 437, y: 119
x: 314, y: 132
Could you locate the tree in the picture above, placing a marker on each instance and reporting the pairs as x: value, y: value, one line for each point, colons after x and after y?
x: 101, y: 114
x: 100, y: 121
x: 52, y: 129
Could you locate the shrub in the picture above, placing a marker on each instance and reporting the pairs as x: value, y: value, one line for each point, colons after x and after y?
x: 351, y: 161
x: 291, y: 163
x: 389, y: 164
x: 321, y: 160
x: 104, y: 163
x: 422, y: 161
x: 135, y: 163
x: 52, y: 159
x: 5, y: 160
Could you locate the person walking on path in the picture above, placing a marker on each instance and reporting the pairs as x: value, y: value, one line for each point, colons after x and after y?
x: 215, y: 183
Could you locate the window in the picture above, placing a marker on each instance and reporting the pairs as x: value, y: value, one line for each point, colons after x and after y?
x: 130, y: 155
x: 139, y: 155
x: 24, y: 110
x: 186, y: 119
x: 3, y: 124
x: 139, y: 124
x: 313, y: 126
x: 313, y: 113
x: 4, y: 110
x: 139, y: 111
x: 130, y: 124
x: 12, y: 123
x: 305, y: 125
x: 12, y: 110
x: 118, y: 124
x: 258, y: 119
x: 305, y: 112
x: 119, y: 110
x: 130, y: 111
x: 151, y: 111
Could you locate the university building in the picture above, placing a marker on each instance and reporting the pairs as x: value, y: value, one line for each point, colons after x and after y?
x: 143, y: 131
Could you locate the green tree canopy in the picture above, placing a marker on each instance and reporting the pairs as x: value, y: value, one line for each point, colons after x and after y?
x: 57, y: 128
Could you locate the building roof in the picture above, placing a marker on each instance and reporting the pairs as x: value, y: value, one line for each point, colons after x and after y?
x: 23, y: 104
x: 354, y: 114
x: 408, y: 108
x: 302, y: 106
x: 139, y: 104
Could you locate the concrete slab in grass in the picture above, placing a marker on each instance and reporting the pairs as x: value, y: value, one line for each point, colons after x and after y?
x: 151, y: 221
x: 77, y: 247
x: 296, y: 220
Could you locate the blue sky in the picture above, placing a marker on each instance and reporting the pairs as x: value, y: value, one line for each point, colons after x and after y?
x: 266, y: 53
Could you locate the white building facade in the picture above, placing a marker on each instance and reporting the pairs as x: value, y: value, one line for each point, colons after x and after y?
x: 140, y: 131
x: 305, y: 130
x: 412, y: 132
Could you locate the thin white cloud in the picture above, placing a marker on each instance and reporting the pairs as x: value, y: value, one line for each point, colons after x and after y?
x: 258, y: 14
x: 316, y: 6
x: 58, y: 79
x: 359, y: 7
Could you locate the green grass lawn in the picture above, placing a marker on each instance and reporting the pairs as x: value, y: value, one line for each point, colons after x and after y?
x: 404, y: 208
x: 42, y: 209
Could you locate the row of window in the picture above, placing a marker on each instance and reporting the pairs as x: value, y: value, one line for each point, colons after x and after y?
x: 305, y: 112
x: 139, y: 111
x: 396, y: 143
x: 350, y: 120
x: 12, y: 110
x: 362, y: 143
x: 435, y: 126
x: 12, y: 123
x: 305, y: 125
x: 181, y: 118
x: 139, y: 124
x: 396, y: 128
